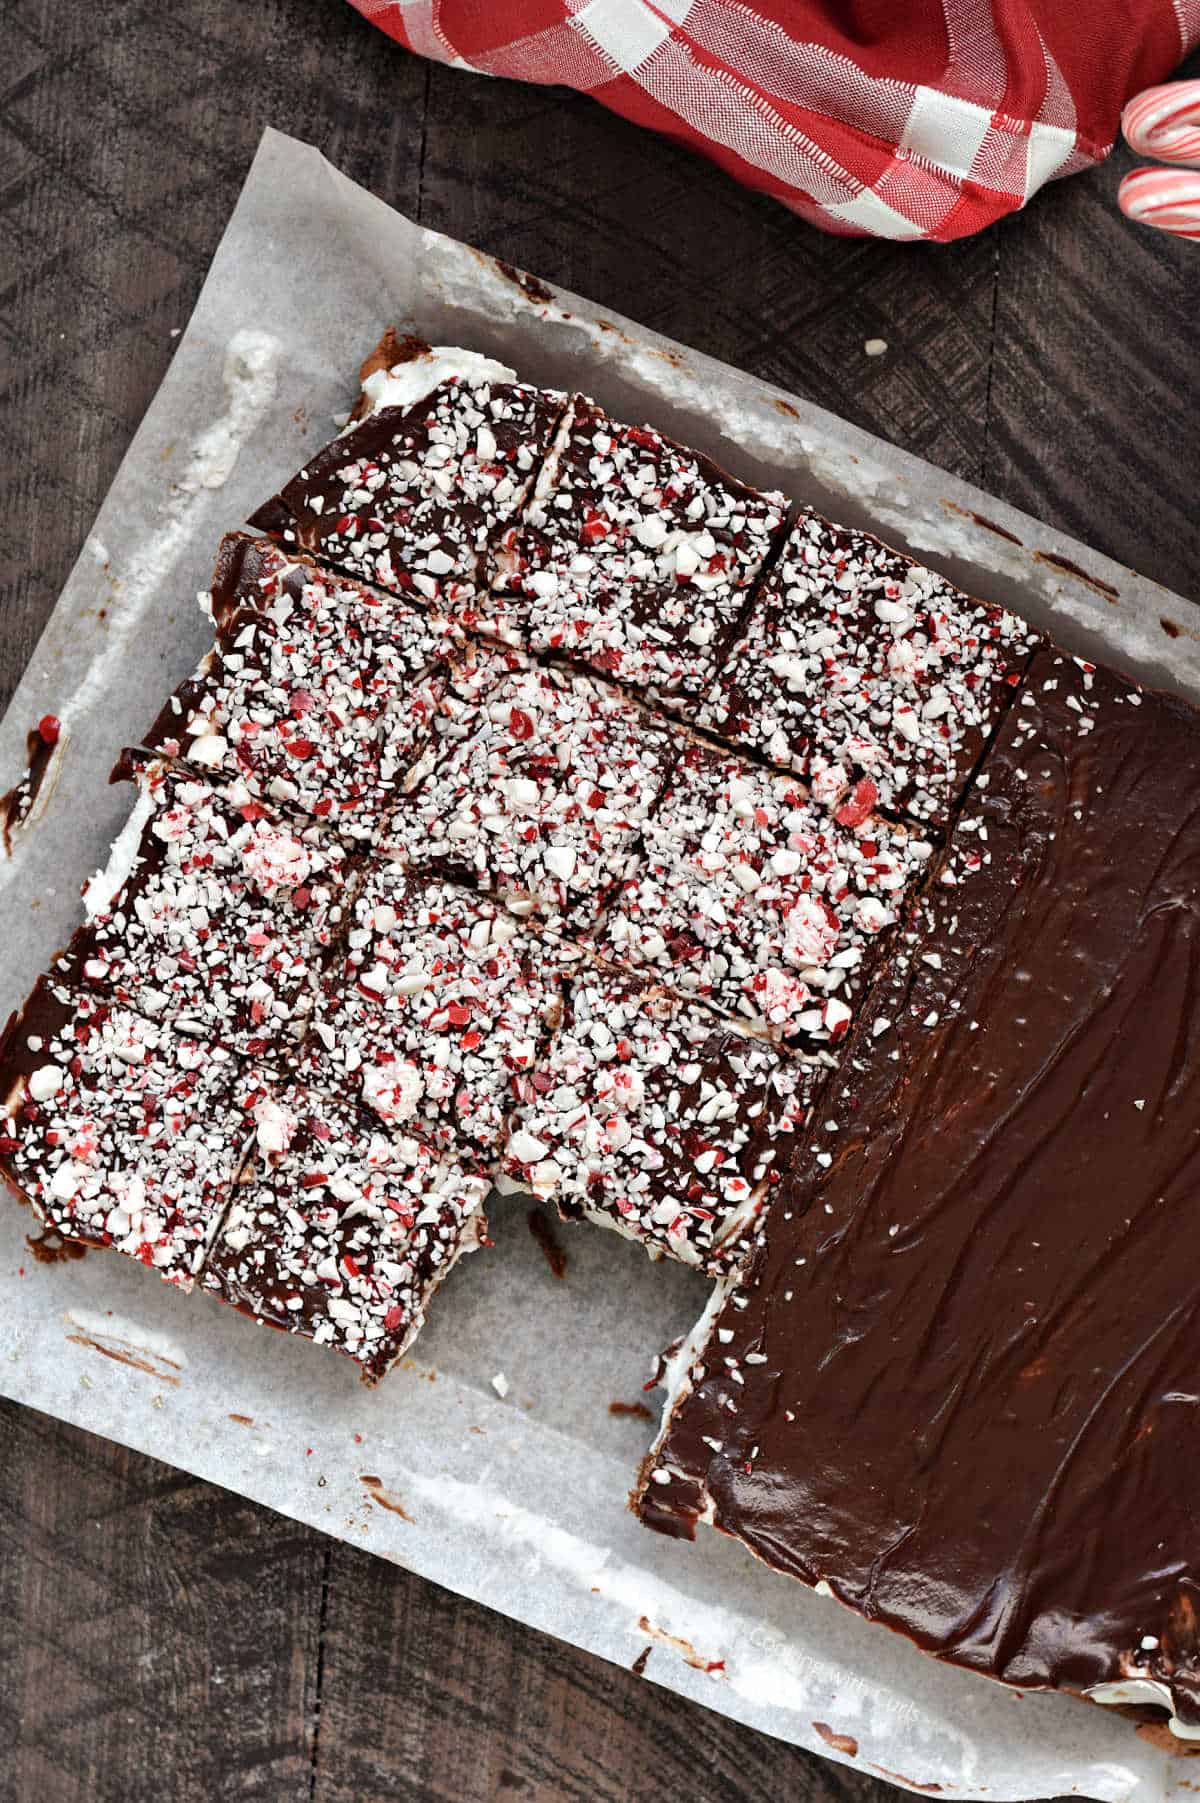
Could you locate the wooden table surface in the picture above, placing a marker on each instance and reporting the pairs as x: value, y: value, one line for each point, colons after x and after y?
x: 165, y: 1640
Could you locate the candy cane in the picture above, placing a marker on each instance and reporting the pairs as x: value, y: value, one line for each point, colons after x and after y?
x: 1165, y: 123
x: 1166, y: 198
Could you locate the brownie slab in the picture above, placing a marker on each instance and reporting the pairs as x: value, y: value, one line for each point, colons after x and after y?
x: 959, y: 1385
x: 440, y: 1003
x: 317, y: 695
x: 634, y: 557
x: 751, y: 896
x: 652, y: 1115
x: 118, y: 1132
x: 211, y: 917
x: 341, y: 1228
x: 539, y: 790
x: 411, y: 497
x: 868, y: 674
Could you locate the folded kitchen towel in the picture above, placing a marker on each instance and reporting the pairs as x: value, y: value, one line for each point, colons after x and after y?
x: 891, y: 118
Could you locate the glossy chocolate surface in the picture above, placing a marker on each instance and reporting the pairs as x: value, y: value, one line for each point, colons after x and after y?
x: 968, y: 1353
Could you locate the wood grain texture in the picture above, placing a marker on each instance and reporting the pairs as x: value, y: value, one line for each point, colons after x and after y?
x: 1092, y: 421
x: 166, y: 1640
x: 495, y: 1710
x: 160, y: 1635
x: 127, y: 131
x: 553, y: 183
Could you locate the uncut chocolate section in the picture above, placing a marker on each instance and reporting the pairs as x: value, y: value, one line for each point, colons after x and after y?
x: 985, y: 1239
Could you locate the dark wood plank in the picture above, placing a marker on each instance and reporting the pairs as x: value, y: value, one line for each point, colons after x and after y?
x: 552, y: 182
x: 1095, y: 399
x: 128, y: 131
x: 429, y: 1697
x: 160, y: 1635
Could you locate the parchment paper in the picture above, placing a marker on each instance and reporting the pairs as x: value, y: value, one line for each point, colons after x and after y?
x: 519, y: 1501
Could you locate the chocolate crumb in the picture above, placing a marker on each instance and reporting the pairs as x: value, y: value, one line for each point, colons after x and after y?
x: 547, y: 1242
x: 16, y: 804
x: 529, y: 285
x: 1065, y: 564
x: 50, y: 1248
x: 841, y: 1743
x: 384, y: 1497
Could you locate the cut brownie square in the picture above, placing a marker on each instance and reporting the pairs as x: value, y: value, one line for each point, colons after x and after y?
x: 212, y: 917
x: 634, y: 556
x: 540, y: 792
x: 317, y: 694
x: 439, y: 1005
x: 869, y: 673
x: 653, y: 1116
x: 755, y: 898
x: 119, y: 1132
x: 412, y: 495
x: 340, y: 1229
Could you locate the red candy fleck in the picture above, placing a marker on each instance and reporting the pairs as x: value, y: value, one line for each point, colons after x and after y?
x: 860, y: 804
x: 48, y: 729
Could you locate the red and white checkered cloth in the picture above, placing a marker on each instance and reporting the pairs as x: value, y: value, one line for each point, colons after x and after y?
x: 895, y: 118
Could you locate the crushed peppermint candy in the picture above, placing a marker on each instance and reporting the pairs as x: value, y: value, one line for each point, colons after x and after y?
x: 119, y: 1132
x: 215, y: 918
x: 411, y: 499
x: 655, y: 1117
x: 857, y: 666
x: 341, y: 1227
x: 750, y: 895
x: 634, y: 556
x: 359, y: 1031
x: 440, y: 1004
x: 541, y: 792
x: 316, y: 696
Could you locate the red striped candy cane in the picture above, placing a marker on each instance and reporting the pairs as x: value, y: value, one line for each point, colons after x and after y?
x: 1166, y: 198
x: 1164, y: 123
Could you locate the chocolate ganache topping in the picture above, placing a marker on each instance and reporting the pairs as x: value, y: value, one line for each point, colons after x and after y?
x: 961, y: 1382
